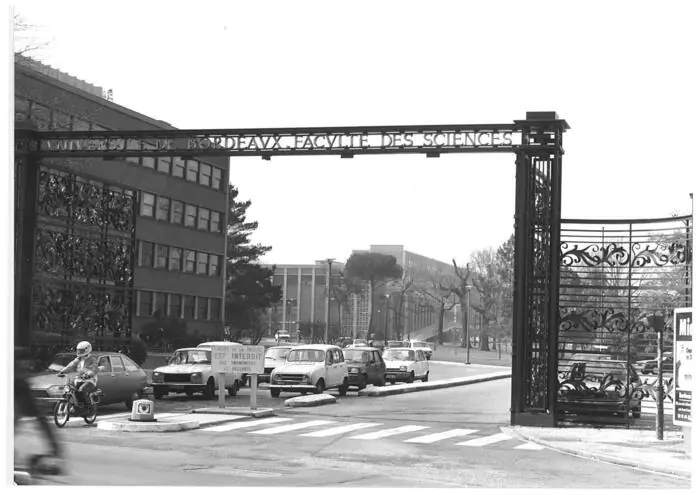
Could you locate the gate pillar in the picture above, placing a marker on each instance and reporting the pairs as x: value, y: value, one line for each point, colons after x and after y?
x: 536, y: 269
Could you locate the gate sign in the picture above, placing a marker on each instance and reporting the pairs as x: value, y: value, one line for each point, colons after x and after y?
x: 683, y: 366
x: 248, y: 359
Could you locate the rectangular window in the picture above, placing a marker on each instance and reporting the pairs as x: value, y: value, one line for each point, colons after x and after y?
x: 148, y: 161
x: 202, y: 306
x: 147, y: 254
x: 216, y: 179
x: 175, y: 259
x: 204, y: 174
x: 178, y: 167
x: 189, y: 261
x: 163, y: 210
x: 215, y: 309
x: 215, y: 223
x: 213, y: 265
x: 148, y: 201
x: 164, y: 164
x: 145, y: 303
x: 161, y: 303
x: 203, y: 219
x: 202, y: 259
x: 192, y: 169
x: 190, y: 216
x: 161, y: 256
x: 188, y: 303
x: 178, y: 212
x: 175, y: 308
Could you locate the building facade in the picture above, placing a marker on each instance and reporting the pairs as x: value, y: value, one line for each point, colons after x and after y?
x: 181, y: 203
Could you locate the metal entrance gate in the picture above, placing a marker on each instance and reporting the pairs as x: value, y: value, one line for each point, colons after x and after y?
x: 612, y: 275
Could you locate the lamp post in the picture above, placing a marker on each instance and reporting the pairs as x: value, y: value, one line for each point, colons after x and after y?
x: 386, y: 316
x: 657, y: 322
x: 328, y: 294
x: 469, y: 295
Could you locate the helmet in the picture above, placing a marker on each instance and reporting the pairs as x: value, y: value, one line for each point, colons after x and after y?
x: 83, y: 349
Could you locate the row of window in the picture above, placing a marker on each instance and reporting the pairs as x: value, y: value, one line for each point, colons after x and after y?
x: 48, y: 119
x: 180, y: 306
x: 178, y: 259
x: 177, y: 212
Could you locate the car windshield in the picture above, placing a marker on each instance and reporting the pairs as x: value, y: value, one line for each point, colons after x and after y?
x: 60, y: 361
x: 306, y: 355
x: 198, y: 356
x: 356, y: 355
x: 601, y: 369
x: 277, y: 353
x: 399, y: 355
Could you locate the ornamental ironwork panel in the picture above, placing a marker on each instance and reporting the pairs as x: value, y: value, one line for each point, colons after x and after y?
x: 82, y: 287
x: 612, y: 275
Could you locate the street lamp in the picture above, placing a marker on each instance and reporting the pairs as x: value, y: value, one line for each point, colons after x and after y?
x: 386, y: 316
x: 328, y: 295
x: 469, y: 294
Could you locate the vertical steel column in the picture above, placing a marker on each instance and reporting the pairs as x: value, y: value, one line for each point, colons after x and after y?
x: 536, y: 270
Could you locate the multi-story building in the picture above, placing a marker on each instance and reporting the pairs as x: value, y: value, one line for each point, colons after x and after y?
x: 181, y: 203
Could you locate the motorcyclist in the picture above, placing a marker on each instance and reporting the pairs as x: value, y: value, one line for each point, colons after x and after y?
x: 86, y: 366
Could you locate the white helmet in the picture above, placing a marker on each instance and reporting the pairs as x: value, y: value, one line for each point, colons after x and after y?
x: 83, y: 349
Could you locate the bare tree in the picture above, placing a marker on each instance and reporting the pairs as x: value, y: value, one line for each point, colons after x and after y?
x: 438, y: 291
x: 460, y: 288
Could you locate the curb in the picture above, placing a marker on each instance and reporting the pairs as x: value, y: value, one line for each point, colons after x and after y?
x: 471, y: 365
x: 454, y: 382
x: 151, y: 427
x: 587, y: 454
x: 310, y: 401
x: 236, y: 411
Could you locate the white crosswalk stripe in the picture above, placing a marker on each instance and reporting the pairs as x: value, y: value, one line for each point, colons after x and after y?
x: 390, y: 432
x: 244, y: 424
x: 480, y: 442
x: 286, y: 428
x: 529, y: 446
x: 339, y: 430
x: 436, y: 437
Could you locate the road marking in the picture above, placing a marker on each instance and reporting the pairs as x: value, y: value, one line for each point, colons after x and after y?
x: 529, y: 446
x: 247, y: 424
x: 339, y: 430
x: 286, y: 428
x: 441, y: 436
x: 480, y: 442
x: 387, y: 433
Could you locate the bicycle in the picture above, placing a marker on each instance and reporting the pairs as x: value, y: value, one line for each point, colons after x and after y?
x: 69, y: 404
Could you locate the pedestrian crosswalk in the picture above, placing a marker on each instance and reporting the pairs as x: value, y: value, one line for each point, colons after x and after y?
x: 410, y: 434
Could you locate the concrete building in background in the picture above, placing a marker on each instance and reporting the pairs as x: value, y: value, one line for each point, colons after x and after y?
x: 180, y: 242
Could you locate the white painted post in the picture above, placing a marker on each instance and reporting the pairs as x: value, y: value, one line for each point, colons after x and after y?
x: 253, y: 391
x: 222, y: 389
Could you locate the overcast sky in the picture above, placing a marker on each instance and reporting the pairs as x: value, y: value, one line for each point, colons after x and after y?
x: 623, y: 74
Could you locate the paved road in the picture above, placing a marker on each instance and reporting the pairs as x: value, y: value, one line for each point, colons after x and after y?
x: 441, y: 438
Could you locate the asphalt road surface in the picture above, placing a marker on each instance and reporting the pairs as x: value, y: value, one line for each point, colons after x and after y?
x: 440, y: 438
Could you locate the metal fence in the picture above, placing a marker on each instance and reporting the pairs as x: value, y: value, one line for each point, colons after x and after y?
x: 612, y: 275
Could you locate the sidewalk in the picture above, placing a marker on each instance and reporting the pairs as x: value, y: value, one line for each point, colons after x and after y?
x: 633, y: 448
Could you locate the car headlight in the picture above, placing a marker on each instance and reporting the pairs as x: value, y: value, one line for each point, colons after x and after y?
x: 403, y: 368
x: 306, y: 379
x: 196, y: 376
x: 56, y: 390
x: 157, y: 376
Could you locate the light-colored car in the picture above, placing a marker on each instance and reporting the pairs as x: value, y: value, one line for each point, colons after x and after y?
x: 398, y: 343
x: 404, y: 364
x: 274, y: 357
x: 283, y: 337
x: 189, y: 370
x: 423, y: 346
x: 358, y: 343
x: 119, y: 378
x: 311, y: 368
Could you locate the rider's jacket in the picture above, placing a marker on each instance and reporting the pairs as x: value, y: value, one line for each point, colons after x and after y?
x: 86, y: 368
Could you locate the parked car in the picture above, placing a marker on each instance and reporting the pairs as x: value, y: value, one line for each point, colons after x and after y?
x: 405, y: 365
x: 311, y: 368
x: 358, y: 343
x: 274, y: 357
x: 119, y: 378
x: 344, y: 342
x: 189, y: 370
x: 424, y: 346
x: 398, y: 343
x: 651, y: 366
x: 242, y: 378
x: 365, y: 365
x: 601, y: 387
x: 282, y: 337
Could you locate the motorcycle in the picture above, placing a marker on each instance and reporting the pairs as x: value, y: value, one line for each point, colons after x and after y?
x: 69, y: 404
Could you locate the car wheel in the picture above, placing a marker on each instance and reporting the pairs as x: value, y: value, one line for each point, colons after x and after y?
x: 425, y: 378
x: 274, y: 393
x: 210, y: 390
x: 412, y: 377
x: 393, y: 382
x: 381, y: 382
x: 320, y: 386
x: 158, y: 392
x: 363, y: 383
x: 343, y: 389
x: 233, y: 389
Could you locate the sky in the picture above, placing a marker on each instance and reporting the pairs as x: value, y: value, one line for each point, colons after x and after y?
x: 623, y: 75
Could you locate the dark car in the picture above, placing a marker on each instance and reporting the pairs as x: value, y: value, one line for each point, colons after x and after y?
x: 365, y: 366
x: 119, y: 378
x: 651, y: 367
